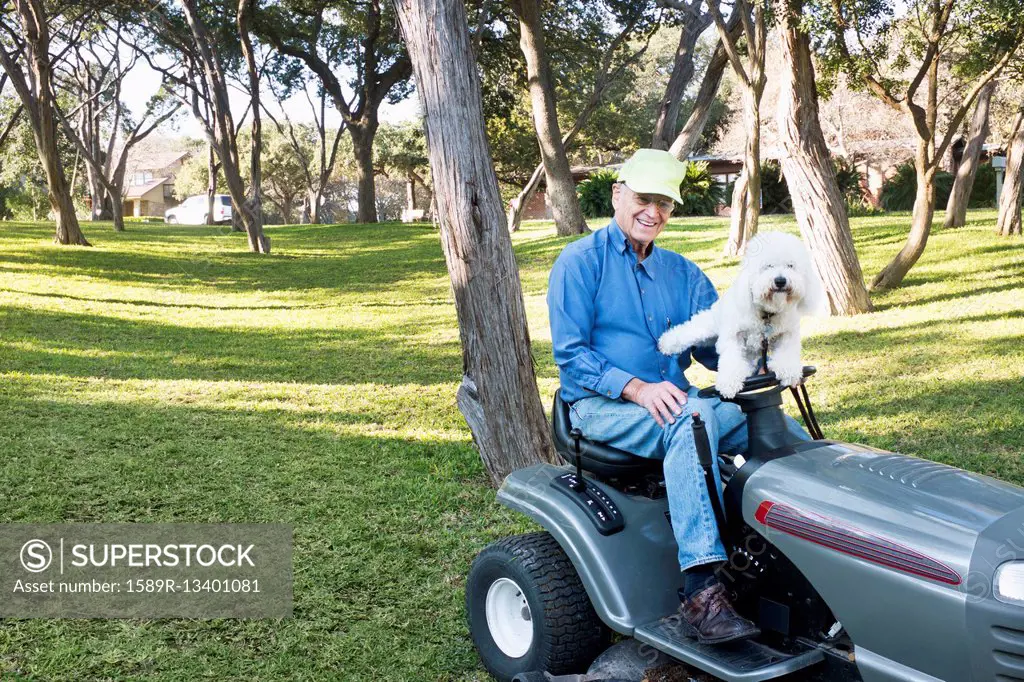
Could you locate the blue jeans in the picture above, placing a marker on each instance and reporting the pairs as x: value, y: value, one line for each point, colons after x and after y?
x: 630, y: 427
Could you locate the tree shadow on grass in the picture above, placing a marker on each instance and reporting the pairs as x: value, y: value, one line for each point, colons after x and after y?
x: 385, y: 528
x: 88, y: 345
x: 357, y: 263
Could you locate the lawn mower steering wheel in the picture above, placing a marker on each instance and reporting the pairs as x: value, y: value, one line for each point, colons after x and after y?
x: 755, y: 382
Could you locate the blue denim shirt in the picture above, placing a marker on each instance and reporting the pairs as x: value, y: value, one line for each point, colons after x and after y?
x: 608, y: 310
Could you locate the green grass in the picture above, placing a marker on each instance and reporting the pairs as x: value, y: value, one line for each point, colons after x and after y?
x: 168, y: 375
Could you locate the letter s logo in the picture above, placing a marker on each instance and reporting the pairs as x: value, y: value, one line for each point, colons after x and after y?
x: 36, y: 556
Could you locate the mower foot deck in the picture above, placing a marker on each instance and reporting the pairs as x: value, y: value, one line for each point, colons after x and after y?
x: 745, y: 661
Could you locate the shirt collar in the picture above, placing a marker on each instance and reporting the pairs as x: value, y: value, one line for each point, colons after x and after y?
x: 621, y: 243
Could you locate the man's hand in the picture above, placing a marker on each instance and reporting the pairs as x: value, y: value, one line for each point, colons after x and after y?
x: 663, y: 400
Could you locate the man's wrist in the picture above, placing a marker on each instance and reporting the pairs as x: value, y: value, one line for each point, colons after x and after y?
x: 632, y: 389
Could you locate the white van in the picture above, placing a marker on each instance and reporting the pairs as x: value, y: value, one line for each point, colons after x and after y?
x: 192, y: 211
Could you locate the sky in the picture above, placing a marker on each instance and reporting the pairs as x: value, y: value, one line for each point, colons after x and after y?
x: 142, y: 82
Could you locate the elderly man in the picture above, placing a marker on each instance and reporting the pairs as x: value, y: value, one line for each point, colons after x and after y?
x: 611, y: 296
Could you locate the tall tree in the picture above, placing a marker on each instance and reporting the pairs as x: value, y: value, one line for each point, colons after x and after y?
x: 27, y: 62
x: 686, y: 141
x: 317, y: 174
x: 359, y: 38
x: 817, y: 201
x: 498, y: 395
x: 561, y: 190
x: 956, y: 207
x: 104, y: 131
x: 693, y: 24
x: 895, y: 58
x: 1008, y: 221
x: 749, y: 69
x: 196, y: 38
x: 614, y: 62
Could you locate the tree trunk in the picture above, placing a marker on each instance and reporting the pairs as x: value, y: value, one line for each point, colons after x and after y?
x: 523, y: 199
x: 689, y: 136
x: 258, y: 241
x: 498, y: 395
x: 560, y: 188
x: 743, y: 223
x: 737, y: 214
x: 817, y: 201
x: 956, y: 207
x: 921, y: 225
x: 1009, y: 221
x: 362, y: 146
x: 117, y: 211
x: 682, y: 73
x: 36, y: 95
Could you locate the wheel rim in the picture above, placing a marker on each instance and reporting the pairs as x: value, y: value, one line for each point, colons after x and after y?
x: 508, y: 618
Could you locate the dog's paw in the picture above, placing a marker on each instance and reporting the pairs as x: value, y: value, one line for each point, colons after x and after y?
x: 674, y: 341
x: 789, y: 375
x: 729, y: 386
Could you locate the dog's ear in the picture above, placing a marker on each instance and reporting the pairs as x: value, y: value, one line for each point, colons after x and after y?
x: 815, y: 301
x: 744, y: 295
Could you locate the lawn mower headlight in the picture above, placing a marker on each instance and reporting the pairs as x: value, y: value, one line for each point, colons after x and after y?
x: 1008, y: 583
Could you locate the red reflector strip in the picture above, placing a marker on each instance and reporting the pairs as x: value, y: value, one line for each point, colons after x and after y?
x: 828, y: 533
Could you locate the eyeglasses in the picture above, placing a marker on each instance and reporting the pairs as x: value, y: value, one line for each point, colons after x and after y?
x: 663, y: 205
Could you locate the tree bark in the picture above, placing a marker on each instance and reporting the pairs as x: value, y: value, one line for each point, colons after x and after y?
x: 817, y: 201
x: 920, y: 227
x: 36, y: 94
x: 749, y: 70
x: 560, y: 188
x: 258, y: 241
x: 522, y: 200
x: 689, y: 136
x: 362, y: 133
x: 743, y: 222
x: 956, y: 207
x: 211, y: 182
x: 498, y: 395
x: 682, y: 72
x: 1009, y: 220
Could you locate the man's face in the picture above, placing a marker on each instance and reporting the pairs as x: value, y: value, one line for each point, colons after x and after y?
x: 642, y: 217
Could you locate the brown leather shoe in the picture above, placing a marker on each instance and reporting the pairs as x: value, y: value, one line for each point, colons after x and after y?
x: 713, y: 620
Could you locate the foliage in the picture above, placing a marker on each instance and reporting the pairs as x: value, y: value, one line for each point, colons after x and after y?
x: 774, y: 190
x: 595, y: 194
x: 700, y: 193
x: 849, y: 180
x: 899, y: 191
x: 983, y: 192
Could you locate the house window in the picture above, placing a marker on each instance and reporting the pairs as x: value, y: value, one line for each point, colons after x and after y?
x: 142, y: 178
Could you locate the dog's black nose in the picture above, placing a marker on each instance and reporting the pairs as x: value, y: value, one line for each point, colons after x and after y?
x: 780, y: 282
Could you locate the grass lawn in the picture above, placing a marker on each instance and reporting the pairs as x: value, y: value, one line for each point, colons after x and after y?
x: 167, y: 375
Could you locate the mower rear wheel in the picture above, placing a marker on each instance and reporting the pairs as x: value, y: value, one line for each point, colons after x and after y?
x: 528, y: 610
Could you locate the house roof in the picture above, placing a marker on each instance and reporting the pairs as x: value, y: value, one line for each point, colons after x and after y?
x: 155, y: 160
x: 138, y: 191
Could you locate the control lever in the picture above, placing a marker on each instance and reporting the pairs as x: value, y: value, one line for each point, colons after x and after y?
x: 706, y: 459
x: 580, y: 484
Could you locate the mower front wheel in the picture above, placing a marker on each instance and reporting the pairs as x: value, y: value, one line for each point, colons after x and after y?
x: 528, y: 610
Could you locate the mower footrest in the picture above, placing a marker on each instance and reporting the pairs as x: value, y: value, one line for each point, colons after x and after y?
x: 744, y: 661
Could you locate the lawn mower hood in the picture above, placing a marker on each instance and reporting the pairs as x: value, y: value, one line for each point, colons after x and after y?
x: 907, y: 553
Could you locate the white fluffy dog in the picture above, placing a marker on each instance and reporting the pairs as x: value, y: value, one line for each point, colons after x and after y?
x: 776, y: 286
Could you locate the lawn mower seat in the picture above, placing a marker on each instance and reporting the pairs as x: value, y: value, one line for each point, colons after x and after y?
x: 597, y: 458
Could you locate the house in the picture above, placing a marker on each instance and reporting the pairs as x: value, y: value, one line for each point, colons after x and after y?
x: 149, y: 187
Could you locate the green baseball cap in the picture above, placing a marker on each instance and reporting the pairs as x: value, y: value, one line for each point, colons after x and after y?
x: 653, y: 171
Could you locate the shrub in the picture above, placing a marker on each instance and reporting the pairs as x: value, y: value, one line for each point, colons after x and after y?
x: 700, y: 193
x: 983, y: 193
x: 595, y: 194
x: 898, y: 192
x: 774, y: 191
x: 849, y: 180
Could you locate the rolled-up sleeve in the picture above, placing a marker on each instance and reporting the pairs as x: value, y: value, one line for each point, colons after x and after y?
x: 571, y: 294
x: 702, y: 296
